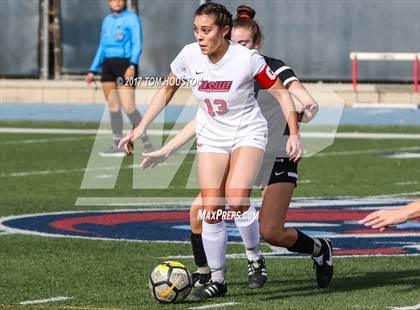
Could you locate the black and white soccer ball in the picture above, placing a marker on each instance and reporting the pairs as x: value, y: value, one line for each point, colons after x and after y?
x: 170, y: 282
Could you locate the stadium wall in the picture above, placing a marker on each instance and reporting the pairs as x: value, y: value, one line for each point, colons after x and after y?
x: 315, y: 37
x: 19, y: 37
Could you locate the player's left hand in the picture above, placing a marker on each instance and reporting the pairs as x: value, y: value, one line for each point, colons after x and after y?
x: 294, y: 148
x: 154, y: 158
x: 383, y: 218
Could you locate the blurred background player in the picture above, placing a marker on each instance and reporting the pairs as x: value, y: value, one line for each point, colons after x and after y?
x: 278, y: 175
x: 231, y: 131
x: 117, y: 58
x: 383, y: 218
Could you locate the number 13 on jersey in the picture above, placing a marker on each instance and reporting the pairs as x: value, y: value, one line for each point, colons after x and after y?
x: 218, y: 107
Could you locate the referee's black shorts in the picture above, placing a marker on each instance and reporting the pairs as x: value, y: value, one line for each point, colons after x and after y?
x: 114, y: 68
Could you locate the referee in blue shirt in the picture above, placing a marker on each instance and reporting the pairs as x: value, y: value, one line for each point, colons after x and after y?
x: 117, y: 59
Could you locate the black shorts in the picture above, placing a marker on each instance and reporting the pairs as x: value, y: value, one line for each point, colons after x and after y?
x: 113, y: 68
x: 284, y: 171
x: 276, y: 170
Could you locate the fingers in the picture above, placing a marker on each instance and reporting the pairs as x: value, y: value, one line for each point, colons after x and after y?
x: 381, y: 224
x: 127, y: 143
x: 291, y: 149
x: 299, y: 155
x: 294, y: 150
x: 121, y: 143
x: 292, y: 153
x: 312, y: 107
x: 369, y: 217
x: 145, y: 164
x: 130, y: 146
x: 374, y: 222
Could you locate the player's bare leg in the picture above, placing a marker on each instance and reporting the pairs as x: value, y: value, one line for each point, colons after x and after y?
x: 275, y: 205
x: 276, y: 201
x: 244, y: 167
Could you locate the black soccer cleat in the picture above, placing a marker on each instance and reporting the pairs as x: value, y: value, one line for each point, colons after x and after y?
x: 210, y: 290
x: 323, y: 264
x: 200, y: 279
x: 257, y: 275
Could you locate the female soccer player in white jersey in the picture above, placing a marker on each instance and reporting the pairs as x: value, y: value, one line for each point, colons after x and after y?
x: 278, y: 174
x: 231, y: 130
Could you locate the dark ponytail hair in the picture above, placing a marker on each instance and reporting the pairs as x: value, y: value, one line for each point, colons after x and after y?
x: 245, y: 18
x: 223, y: 16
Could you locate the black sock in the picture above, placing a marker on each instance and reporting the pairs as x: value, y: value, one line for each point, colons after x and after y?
x: 134, y: 118
x: 116, y: 126
x: 198, y: 250
x: 304, y: 244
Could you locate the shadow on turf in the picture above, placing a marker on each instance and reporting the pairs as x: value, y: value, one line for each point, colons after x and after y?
x: 275, y: 289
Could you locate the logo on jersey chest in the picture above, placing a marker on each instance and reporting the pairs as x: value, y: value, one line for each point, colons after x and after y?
x: 215, y: 86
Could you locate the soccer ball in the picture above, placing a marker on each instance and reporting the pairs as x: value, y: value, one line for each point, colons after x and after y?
x: 170, y: 282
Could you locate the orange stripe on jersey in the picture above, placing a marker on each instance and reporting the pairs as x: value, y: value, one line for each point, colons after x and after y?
x: 266, y: 78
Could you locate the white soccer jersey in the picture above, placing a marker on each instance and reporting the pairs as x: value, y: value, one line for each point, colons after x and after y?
x: 228, y: 111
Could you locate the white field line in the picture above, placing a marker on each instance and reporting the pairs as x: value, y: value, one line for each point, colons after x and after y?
x: 372, y: 202
x: 64, y: 131
x: 213, y: 306
x: 406, y: 183
x: 371, y: 151
x: 281, y: 255
x: 152, y: 132
x: 45, y: 301
x: 415, y: 307
x: 4, y: 233
x: 360, y: 135
x: 44, y: 140
x: 47, y: 172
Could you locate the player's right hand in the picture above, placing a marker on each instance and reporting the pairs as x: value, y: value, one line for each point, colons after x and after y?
x: 90, y: 77
x: 128, y: 142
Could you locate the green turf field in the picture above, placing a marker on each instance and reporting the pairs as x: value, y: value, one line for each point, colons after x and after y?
x: 44, y: 175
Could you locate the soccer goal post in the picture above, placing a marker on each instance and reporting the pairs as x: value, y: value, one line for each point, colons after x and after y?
x: 364, y: 56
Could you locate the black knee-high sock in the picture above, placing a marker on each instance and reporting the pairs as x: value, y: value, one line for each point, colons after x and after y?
x: 198, y: 250
x: 116, y: 126
x: 307, y: 245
